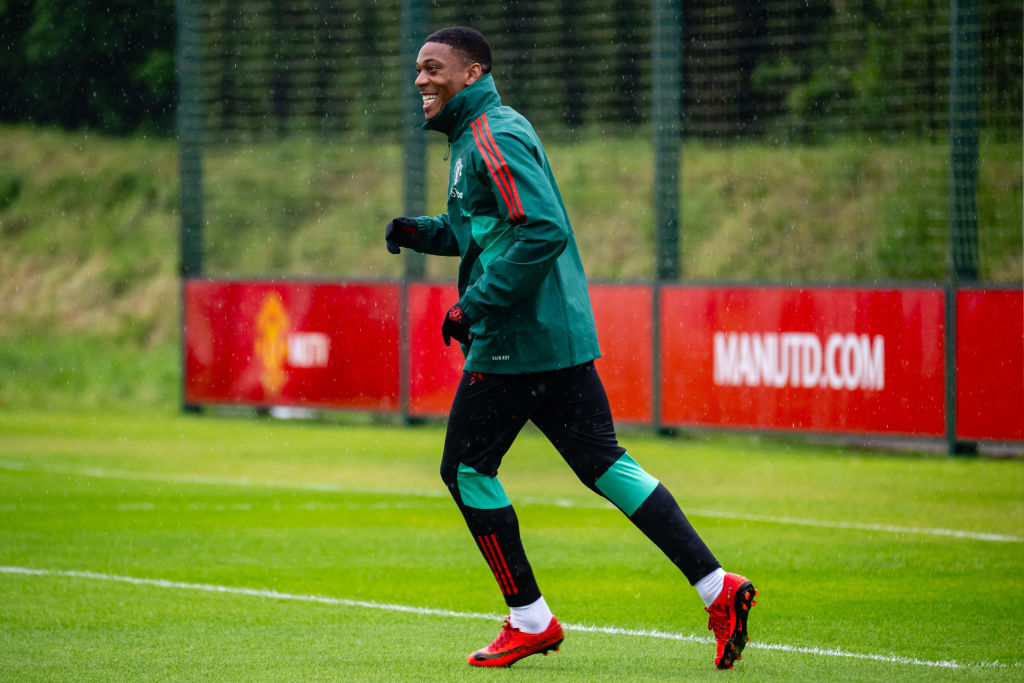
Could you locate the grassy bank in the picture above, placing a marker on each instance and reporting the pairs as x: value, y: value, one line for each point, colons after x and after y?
x: 89, y: 229
x: 88, y: 372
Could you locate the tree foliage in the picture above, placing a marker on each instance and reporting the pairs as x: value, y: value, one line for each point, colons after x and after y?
x: 86, y: 63
x: 779, y: 69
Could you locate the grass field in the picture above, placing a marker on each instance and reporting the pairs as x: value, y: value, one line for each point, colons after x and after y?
x: 169, y: 547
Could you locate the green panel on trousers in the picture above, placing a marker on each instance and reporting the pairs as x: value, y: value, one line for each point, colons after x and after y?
x: 481, y: 491
x: 626, y: 484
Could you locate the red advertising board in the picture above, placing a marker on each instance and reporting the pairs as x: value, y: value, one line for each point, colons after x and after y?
x: 624, y: 328
x: 825, y: 359
x: 623, y: 317
x: 817, y: 359
x: 990, y: 364
x: 435, y: 368
x: 292, y: 343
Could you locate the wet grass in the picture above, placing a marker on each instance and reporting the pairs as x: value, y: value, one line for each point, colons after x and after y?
x: 186, y: 548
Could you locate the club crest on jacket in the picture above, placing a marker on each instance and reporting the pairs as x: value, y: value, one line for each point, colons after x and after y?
x: 456, y: 174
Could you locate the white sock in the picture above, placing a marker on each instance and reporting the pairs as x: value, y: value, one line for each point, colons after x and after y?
x: 532, y: 618
x: 710, y: 587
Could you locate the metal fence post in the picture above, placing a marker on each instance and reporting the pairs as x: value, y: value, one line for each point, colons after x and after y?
x: 414, y: 141
x: 190, y: 137
x: 964, y: 65
x: 667, y: 115
x: 414, y: 172
x: 190, y: 151
x: 666, y: 119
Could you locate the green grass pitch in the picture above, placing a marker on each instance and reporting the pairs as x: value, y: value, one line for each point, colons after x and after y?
x: 170, y: 547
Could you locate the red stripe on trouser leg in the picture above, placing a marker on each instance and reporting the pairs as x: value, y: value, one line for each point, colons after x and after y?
x: 496, y: 562
x: 492, y: 564
x: 497, y: 549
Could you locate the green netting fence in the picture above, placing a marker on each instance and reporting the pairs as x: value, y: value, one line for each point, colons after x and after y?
x: 813, y: 139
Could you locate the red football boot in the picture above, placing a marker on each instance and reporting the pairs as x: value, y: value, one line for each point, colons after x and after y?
x: 729, y: 619
x: 511, y: 645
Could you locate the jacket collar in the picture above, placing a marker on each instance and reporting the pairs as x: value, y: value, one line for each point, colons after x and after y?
x: 465, y: 106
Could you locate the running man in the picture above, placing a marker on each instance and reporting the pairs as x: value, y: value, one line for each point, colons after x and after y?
x: 526, y: 328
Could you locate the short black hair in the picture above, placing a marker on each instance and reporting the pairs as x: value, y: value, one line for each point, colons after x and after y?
x: 468, y: 42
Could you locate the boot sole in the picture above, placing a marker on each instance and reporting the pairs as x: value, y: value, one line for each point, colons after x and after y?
x: 740, y: 636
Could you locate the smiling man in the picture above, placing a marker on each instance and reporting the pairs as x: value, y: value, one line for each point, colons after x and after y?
x: 441, y: 73
x: 526, y: 328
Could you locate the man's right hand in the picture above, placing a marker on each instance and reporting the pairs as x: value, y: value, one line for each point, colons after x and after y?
x: 400, y: 233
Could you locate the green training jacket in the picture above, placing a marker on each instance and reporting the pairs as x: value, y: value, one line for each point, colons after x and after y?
x: 520, y: 279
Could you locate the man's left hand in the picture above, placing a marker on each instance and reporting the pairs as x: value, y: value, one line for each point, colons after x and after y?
x: 456, y: 326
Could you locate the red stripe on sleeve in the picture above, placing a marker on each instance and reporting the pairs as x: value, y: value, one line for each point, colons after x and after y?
x: 499, y: 168
x: 503, y: 166
x: 495, y: 170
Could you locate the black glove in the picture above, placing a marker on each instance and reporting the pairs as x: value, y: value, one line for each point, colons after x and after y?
x: 456, y: 326
x: 400, y: 233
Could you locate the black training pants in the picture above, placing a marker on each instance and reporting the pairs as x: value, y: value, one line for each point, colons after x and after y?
x: 571, y: 409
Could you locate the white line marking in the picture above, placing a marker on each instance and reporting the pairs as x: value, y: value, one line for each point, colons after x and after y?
x: 102, y: 473
x: 430, y: 611
x: 891, y: 528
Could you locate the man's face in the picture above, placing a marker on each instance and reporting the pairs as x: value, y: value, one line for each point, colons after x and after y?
x: 442, y: 72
